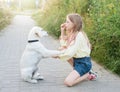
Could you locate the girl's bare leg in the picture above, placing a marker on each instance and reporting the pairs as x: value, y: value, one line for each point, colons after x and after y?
x: 74, y: 78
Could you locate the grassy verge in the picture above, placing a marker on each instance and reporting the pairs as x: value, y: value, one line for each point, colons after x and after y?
x: 5, y: 17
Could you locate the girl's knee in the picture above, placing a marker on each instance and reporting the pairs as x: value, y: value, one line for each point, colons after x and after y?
x: 68, y: 83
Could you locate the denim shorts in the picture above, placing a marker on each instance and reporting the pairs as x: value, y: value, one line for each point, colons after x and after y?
x: 82, y: 65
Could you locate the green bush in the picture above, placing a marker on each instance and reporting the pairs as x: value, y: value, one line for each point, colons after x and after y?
x: 5, y: 17
x: 106, y: 34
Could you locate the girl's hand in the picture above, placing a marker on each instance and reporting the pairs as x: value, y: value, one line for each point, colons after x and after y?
x: 63, y: 26
x: 63, y: 32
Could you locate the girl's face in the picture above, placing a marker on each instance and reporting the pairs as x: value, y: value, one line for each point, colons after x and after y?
x: 69, y: 25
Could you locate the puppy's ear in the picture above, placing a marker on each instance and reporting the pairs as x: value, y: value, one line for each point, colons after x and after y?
x: 37, y: 34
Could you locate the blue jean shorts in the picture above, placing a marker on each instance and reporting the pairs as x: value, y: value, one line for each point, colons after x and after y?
x: 82, y: 65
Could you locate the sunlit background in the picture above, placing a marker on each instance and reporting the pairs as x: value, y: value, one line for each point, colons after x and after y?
x: 22, y: 4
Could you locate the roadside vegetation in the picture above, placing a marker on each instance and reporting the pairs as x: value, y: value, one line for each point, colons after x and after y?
x: 101, y: 23
x: 8, y: 8
x: 5, y: 17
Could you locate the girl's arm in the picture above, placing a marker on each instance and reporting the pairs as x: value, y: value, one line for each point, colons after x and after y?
x: 63, y: 38
x: 71, y: 50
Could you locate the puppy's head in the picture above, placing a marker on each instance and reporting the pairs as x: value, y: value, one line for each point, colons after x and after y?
x: 39, y: 32
x: 36, y: 33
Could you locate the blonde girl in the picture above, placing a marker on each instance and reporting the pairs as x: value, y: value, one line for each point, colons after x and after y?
x: 77, y: 49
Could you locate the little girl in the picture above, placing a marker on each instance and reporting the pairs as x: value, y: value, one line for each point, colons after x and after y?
x: 77, y: 50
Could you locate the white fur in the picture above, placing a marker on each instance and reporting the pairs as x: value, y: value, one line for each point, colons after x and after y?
x: 33, y: 53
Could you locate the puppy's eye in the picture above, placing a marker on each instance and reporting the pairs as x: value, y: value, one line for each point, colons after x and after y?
x: 37, y: 34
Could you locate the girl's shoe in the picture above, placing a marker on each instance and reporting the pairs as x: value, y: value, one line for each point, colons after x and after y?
x: 92, y: 75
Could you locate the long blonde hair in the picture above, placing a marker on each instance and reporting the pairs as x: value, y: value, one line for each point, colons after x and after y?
x: 78, y: 25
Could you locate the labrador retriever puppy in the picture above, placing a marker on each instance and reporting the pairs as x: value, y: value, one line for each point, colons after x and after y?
x: 32, y: 55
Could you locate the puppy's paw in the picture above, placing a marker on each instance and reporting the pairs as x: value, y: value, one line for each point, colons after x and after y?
x: 62, y: 51
x: 34, y: 81
x: 40, y: 77
x: 37, y: 76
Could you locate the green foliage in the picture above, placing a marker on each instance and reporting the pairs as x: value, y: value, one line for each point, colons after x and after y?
x: 102, y: 24
x: 5, y: 17
x: 106, y: 38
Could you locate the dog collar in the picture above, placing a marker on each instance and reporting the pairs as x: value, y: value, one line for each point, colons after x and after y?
x: 30, y: 41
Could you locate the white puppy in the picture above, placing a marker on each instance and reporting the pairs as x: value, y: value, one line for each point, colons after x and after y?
x: 33, y: 53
